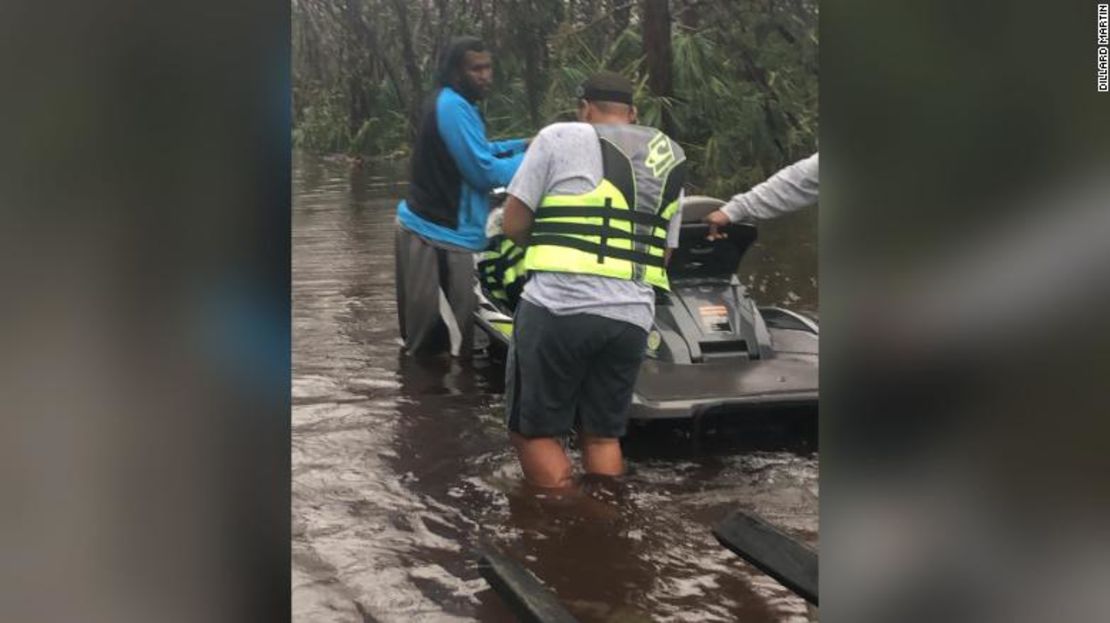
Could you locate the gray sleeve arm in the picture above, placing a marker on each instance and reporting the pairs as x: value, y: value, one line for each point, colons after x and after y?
x: 792, y: 188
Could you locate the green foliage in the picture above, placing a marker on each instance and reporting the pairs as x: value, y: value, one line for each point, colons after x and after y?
x: 384, y: 136
x: 744, y: 74
x: 322, y: 126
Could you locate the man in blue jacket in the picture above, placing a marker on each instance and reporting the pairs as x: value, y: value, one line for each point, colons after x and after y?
x: 441, y: 222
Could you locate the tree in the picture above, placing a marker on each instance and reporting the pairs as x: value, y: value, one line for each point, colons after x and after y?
x: 658, y: 55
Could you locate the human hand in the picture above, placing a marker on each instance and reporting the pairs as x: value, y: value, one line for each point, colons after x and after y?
x: 716, y: 220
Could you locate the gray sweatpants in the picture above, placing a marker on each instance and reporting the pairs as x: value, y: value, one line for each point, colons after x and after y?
x: 436, y: 297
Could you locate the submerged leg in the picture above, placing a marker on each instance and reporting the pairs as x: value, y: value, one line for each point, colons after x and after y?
x: 602, y: 455
x: 607, y: 394
x: 543, y: 460
x: 417, y: 296
x: 459, y: 287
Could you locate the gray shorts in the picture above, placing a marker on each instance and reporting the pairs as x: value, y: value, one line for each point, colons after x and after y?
x: 567, y: 367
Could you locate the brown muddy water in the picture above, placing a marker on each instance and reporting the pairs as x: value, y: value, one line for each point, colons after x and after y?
x: 401, y: 469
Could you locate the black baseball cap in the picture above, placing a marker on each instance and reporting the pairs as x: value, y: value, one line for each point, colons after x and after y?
x: 606, y: 86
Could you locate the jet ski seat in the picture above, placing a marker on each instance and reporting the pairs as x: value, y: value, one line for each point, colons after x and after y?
x: 699, y: 258
x: 696, y: 207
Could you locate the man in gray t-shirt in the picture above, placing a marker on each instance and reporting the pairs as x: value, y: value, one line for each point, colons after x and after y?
x: 565, y: 159
x: 581, y: 326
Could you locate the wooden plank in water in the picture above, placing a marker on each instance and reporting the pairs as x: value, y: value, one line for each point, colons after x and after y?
x: 529, y: 600
x: 790, y: 562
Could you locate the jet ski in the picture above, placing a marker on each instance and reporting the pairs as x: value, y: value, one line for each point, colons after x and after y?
x: 712, y: 349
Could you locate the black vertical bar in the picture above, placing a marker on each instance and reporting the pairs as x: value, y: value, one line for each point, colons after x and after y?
x: 529, y: 600
x: 771, y: 551
x: 604, y: 229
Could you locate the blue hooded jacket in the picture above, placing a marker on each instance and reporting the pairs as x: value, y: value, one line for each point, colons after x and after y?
x: 454, y: 167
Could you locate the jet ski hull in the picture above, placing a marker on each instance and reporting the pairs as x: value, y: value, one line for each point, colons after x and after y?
x: 667, y: 390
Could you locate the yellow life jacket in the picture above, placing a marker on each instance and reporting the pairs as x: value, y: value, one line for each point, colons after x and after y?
x: 618, y: 229
x: 501, y: 272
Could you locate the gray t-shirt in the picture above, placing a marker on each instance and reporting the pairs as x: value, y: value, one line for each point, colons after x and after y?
x: 565, y: 159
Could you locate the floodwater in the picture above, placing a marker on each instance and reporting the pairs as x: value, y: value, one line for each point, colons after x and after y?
x: 401, y: 470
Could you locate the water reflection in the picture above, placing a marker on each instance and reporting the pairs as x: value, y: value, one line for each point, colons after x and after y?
x: 781, y: 267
